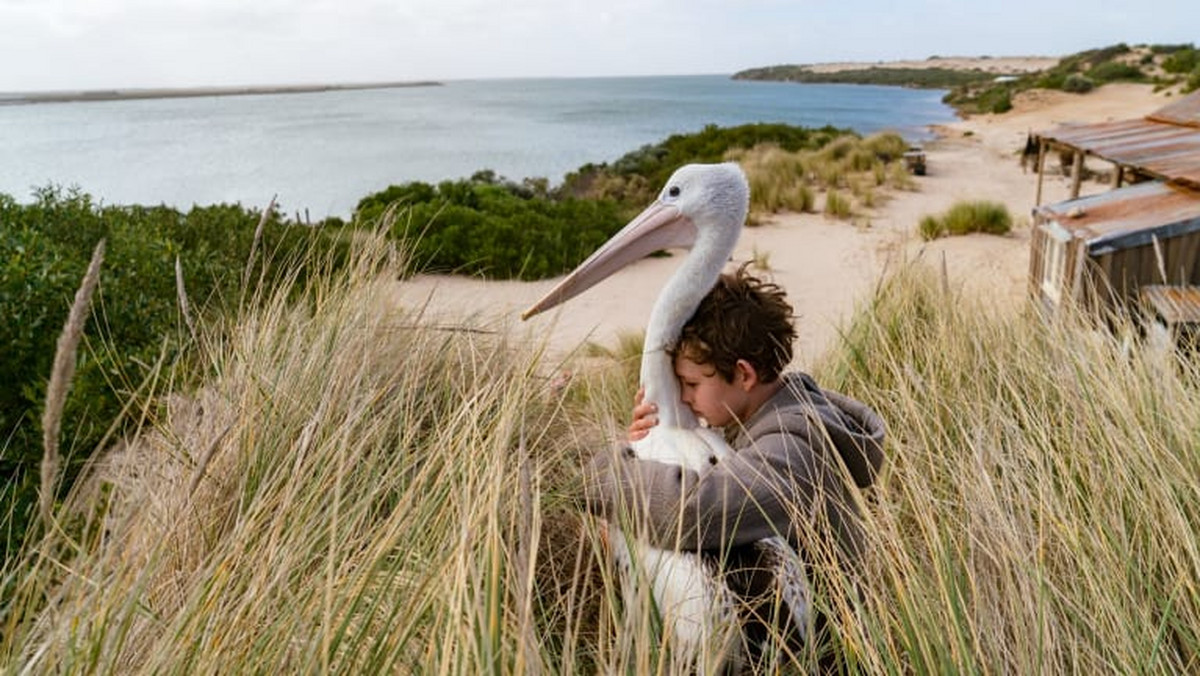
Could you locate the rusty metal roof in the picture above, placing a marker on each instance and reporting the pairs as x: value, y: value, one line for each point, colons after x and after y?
x: 1175, y: 304
x: 1164, y: 144
x: 1185, y: 111
x: 1128, y: 217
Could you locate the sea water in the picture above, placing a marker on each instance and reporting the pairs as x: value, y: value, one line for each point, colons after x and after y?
x: 319, y: 153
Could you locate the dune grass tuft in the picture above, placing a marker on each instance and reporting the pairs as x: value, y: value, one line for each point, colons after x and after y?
x: 838, y: 205
x: 782, y: 180
x: 965, y: 217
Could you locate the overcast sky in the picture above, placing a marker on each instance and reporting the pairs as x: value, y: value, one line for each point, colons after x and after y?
x: 85, y: 44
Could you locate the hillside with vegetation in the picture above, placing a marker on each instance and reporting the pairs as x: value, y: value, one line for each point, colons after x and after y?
x: 976, y: 90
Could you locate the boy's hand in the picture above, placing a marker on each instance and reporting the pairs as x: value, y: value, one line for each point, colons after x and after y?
x: 643, y: 416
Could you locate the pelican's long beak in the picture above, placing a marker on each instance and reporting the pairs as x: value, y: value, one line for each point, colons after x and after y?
x: 660, y: 226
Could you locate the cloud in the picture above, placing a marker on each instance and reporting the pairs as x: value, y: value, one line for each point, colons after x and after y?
x: 124, y: 43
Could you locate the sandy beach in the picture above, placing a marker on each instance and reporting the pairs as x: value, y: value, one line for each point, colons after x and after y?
x: 828, y: 266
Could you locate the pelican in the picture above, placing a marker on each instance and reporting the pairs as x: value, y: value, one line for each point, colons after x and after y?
x: 702, y: 207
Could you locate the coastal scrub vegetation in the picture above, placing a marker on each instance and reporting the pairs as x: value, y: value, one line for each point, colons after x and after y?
x: 491, y: 226
x: 1163, y: 65
x: 136, y: 322
x: 636, y: 177
x: 349, y: 488
x: 922, y: 78
x: 966, y: 217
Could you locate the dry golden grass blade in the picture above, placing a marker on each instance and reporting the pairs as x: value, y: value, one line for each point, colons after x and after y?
x: 258, y: 233
x: 184, y: 306
x: 61, y: 375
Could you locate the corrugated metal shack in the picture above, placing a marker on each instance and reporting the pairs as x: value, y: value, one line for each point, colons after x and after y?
x: 1112, y: 244
x: 1101, y: 250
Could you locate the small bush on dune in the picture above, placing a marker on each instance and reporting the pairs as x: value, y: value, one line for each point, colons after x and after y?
x: 1076, y: 83
x: 1183, y: 59
x: 930, y: 227
x: 965, y: 217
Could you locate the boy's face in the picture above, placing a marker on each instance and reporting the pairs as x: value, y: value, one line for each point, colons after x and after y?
x: 716, y: 400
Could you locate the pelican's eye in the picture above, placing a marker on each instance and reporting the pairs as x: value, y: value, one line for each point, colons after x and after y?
x: 673, y: 191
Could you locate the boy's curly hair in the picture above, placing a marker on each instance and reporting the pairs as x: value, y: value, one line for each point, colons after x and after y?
x: 743, y: 317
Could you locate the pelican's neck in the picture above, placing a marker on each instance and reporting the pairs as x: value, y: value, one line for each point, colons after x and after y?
x: 674, y: 307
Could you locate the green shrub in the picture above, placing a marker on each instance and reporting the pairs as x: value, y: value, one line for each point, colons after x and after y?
x: 491, y: 228
x: 966, y: 217
x: 998, y: 101
x: 1112, y: 71
x: 1170, y: 49
x: 44, y: 250
x: 1077, y: 84
x: 1182, y: 61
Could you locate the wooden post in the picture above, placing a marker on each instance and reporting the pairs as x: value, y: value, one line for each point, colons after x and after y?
x: 1043, y: 148
x: 1076, y: 174
x: 1118, y: 170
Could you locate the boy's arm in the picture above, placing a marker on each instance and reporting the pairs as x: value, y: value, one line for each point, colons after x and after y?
x: 749, y: 496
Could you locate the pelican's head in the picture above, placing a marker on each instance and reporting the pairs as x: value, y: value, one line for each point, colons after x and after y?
x: 702, y: 205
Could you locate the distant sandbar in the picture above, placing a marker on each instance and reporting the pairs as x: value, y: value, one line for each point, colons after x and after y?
x: 126, y: 94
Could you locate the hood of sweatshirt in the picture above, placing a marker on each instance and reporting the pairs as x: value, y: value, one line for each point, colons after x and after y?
x: 851, y: 427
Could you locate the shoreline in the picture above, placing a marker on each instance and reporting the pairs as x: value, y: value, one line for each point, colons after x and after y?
x: 981, y: 63
x: 89, y: 95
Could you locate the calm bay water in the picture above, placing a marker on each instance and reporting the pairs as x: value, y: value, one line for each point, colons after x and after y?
x: 322, y: 152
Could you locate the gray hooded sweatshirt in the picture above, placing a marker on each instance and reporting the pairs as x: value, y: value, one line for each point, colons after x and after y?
x: 787, y: 476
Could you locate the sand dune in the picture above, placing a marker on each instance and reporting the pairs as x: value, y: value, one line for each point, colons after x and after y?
x: 828, y: 266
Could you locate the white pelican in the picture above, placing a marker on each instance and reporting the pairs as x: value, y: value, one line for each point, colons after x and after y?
x: 702, y: 207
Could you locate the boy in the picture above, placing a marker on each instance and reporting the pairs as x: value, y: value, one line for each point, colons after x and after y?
x: 791, y: 440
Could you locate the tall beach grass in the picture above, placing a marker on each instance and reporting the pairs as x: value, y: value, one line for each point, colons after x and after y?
x: 861, y: 168
x: 354, y: 489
